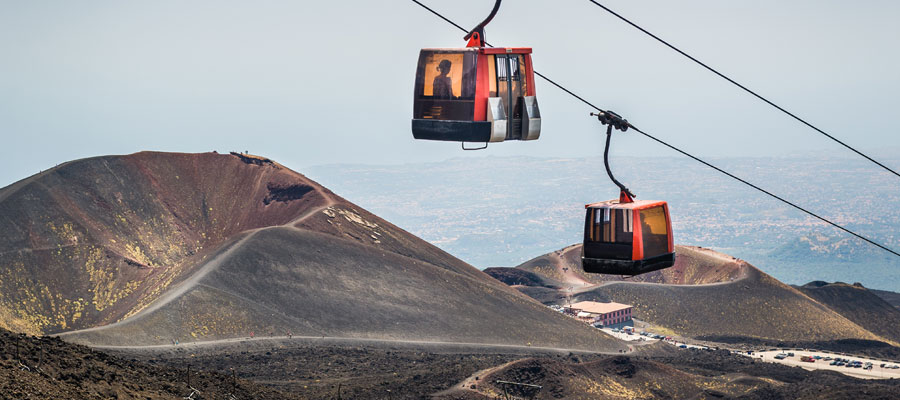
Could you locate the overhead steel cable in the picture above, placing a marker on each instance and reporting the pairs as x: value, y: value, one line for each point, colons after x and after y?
x: 684, y: 152
x: 723, y: 76
x: 765, y: 191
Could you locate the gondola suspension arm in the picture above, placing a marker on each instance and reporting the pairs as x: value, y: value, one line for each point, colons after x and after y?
x: 476, y: 35
x: 613, y: 120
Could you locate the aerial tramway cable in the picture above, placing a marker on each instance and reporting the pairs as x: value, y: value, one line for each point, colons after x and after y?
x: 723, y: 76
x: 688, y: 154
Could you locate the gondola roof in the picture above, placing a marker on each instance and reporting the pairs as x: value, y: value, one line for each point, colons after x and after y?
x: 631, y: 205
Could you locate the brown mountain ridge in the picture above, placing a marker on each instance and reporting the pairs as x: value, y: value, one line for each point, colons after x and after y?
x: 705, y: 294
x: 152, y: 248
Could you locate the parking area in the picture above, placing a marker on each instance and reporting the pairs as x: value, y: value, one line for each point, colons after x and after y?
x: 686, y: 345
x: 830, y: 361
x: 630, y: 337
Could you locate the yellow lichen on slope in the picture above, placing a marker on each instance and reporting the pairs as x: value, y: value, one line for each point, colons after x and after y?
x: 26, y: 301
x: 103, y: 278
x: 137, y: 254
x: 66, y: 232
x: 11, y: 322
x: 610, y: 388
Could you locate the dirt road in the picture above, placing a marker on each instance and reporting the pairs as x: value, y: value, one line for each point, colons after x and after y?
x: 350, y: 341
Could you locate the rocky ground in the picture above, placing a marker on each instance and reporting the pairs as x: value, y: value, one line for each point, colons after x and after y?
x: 48, y: 368
x: 669, y: 373
x: 280, y: 369
x: 354, y: 372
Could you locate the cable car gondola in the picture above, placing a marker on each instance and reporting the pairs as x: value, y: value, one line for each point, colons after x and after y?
x: 476, y: 93
x: 623, y: 236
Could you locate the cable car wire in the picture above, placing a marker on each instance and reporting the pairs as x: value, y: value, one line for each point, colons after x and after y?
x: 721, y: 75
x: 686, y: 153
x: 765, y: 191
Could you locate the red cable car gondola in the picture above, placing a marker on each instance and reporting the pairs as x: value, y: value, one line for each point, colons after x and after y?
x: 477, y: 93
x: 624, y: 236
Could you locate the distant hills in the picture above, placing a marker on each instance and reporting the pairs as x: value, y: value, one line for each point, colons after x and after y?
x: 818, y: 247
x: 893, y: 298
x: 709, y: 294
x: 154, y: 248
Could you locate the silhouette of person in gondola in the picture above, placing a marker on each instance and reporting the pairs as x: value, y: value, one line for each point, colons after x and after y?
x: 443, y: 86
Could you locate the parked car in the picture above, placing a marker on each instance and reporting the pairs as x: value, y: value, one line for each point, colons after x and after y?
x: 780, y: 356
x: 683, y: 346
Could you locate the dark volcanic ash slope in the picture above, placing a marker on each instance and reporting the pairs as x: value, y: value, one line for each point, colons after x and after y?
x: 708, y: 294
x: 859, y: 305
x: 205, y: 246
x: 312, y: 284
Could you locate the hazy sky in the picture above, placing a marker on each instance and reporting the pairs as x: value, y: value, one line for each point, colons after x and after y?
x: 317, y: 82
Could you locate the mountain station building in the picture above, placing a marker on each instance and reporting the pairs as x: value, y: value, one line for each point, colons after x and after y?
x: 602, y: 315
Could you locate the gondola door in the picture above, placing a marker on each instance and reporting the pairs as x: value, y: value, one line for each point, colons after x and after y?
x: 511, y: 89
